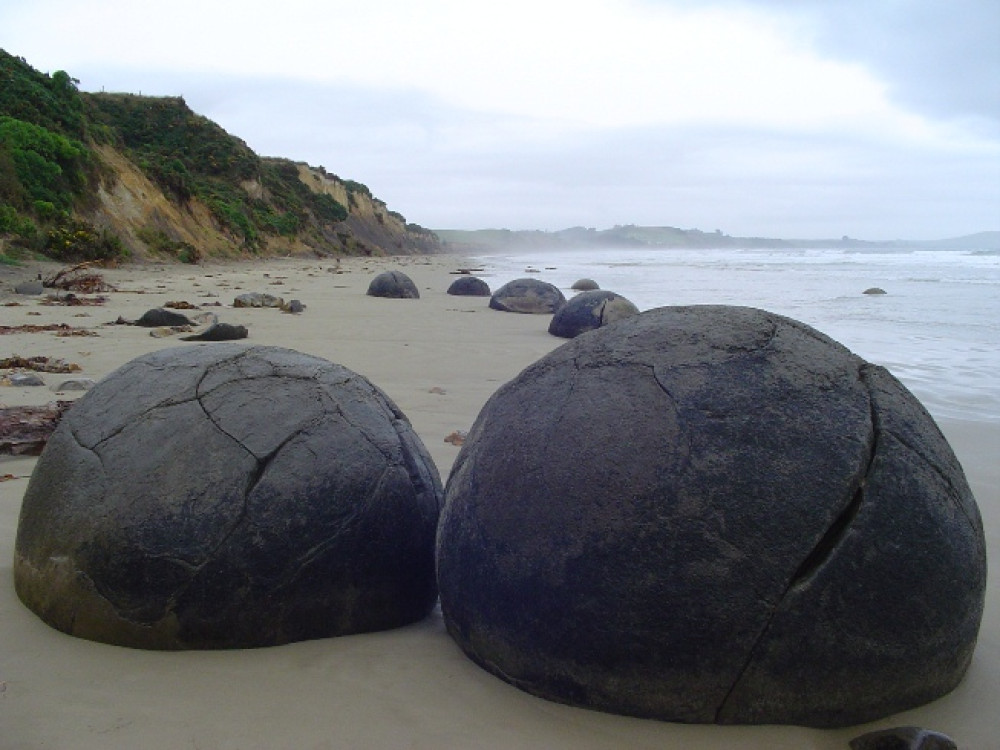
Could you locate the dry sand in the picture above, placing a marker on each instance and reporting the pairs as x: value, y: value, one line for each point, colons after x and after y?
x: 439, y: 358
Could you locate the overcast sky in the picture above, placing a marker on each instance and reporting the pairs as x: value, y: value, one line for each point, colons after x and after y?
x: 878, y: 119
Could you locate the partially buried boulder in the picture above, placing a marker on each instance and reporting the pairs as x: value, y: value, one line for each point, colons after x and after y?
x: 229, y: 497
x: 469, y: 286
x: 585, y: 285
x: 531, y: 296
x: 713, y: 514
x: 159, y: 316
x: 394, y: 285
x: 588, y: 311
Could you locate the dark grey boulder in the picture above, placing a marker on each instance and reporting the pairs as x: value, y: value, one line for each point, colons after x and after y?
x: 713, y: 514
x: 874, y: 290
x: 469, y: 286
x: 229, y: 497
x: 29, y: 288
x: 159, y: 316
x: 219, y: 332
x: 531, y: 296
x: 394, y: 285
x: 904, y: 738
x: 589, y: 310
x: 585, y: 285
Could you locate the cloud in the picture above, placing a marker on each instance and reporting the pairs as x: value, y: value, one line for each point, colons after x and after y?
x: 754, y: 116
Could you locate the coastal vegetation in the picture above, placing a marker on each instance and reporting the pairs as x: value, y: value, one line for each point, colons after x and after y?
x: 68, y: 157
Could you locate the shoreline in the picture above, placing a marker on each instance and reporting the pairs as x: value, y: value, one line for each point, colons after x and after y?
x: 439, y: 358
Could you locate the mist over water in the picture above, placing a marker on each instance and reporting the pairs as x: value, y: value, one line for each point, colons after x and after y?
x: 937, y: 328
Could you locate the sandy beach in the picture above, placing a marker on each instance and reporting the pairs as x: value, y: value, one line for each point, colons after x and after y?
x: 440, y: 358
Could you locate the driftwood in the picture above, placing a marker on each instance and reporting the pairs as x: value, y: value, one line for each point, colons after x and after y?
x: 24, y: 430
x: 79, y: 278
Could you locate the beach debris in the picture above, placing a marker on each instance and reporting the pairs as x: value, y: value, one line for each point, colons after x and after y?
x: 219, y: 332
x: 75, y: 384
x: 79, y: 278
x: 159, y: 317
x: 162, y: 332
x: 466, y: 271
x: 59, y: 329
x: 71, y: 299
x: 469, y: 286
x: 24, y: 430
x: 393, y: 285
x: 294, y: 306
x: 278, y: 429
x: 874, y: 290
x: 903, y: 738
x: 39, y: 364
x: 457, y: 437
x: 257, y: 299
x: 180, y: 305
x: 438, y: 390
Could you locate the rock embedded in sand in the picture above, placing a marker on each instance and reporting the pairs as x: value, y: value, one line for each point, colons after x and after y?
x: 257, y: 299
x: 159, y: 317
x: 228, y: 497
x: 531, y: 296
x: 874, y: 290
x: 469, y: 286
x: 585, y: 285
x: 903, y: 738
x: 588, y: 311
x: 393, y: 285
x: 713, y: 514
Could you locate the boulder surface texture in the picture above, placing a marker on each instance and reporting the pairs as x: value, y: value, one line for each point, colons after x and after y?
x: 229, y: 497
x: 469, y: 286
x: 713, y: 514
x: 394, y: 285
x: 531, y: 296
x: 588, y: 311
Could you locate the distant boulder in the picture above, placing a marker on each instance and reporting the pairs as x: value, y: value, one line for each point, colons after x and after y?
x: 531, y: 296
x: 874, y: 290
x: 29, y: 288
x: 219, y: 332
x: 589, y: 310
x: 469, y: 286
x: 257, y: 299
x: 585, y: 285
x: 393, y: 285
x: 159, y: 317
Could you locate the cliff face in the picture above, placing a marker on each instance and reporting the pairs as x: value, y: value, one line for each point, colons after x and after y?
x: 114, y: 175
x: 135, y: 208
x: 370, y: 228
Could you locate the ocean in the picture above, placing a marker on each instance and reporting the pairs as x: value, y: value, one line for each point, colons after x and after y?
x: 937, y: 327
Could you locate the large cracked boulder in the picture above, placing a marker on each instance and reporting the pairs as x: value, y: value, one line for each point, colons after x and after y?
x: 713, y: 514
x: 588, y: 311
x: 529, y: 296
x: 229, y: 497
x: 393, y: 285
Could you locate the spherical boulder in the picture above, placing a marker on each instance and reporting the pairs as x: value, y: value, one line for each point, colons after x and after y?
x: 589, y: 310
x: 531, y: 296
x: 713, y: 514
x: 469, y: 286
x: 585, y: 285
x: 229, y: 496
x: 394, y: 285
